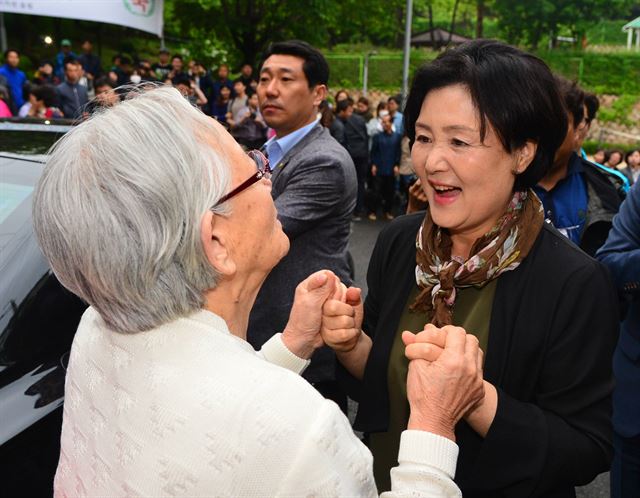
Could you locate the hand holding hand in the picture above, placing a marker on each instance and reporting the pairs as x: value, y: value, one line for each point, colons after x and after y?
x: 426, y: 345
x: 302, y: 333
x: 342, y: 320
x: 442, y: 391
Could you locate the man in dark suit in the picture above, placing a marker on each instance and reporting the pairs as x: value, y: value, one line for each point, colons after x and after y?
x: 621, y: 253
x: 314, y: 189
x: 357, y: 144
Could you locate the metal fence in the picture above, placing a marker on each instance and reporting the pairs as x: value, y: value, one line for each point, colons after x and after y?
x: 382, y: 72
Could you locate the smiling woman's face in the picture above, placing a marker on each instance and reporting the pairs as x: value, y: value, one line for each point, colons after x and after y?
x: 468, y: 183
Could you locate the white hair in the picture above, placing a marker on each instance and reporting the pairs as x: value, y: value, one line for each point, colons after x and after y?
x: 119, y: 206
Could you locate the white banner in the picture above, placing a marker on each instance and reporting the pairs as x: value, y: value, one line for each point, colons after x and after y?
x: 145, y: 15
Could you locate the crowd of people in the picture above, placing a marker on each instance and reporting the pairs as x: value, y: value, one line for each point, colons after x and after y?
x: 481, y: 357
x: 72, y: 86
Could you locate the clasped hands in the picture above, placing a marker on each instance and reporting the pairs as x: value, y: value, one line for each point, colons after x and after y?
x: 444, y: 380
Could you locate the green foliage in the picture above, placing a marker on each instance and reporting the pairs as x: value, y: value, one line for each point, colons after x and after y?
x: 591, y: 146
x: 607, y: 32
x: 620, y: 110
x: 529, y: 21
x: 611, y: 73
x: 385, y: 68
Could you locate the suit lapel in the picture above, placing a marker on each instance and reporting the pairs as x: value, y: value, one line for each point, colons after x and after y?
x: 287, y: 160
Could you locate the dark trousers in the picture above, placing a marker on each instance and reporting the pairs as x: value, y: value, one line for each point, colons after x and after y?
x: 386, y: 186
x: 362, y: 167
x: 625, y: 469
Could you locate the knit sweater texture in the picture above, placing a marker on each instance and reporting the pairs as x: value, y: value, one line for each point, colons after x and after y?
x: 188, y: 409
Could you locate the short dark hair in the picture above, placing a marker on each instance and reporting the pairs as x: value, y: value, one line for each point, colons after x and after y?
x: 573, y: 97
x: 363, y: 100
x: 240, y: 80
x: 512, y: 90
x: 343, y: 105
x: 181, y: 79
x: 70, y: 59
x: 396, y: 98
x: 125, y: 61
x: 8, y: 51
x: 592, y: 104
x: 177, y: 56
x: 163, y: 51
x: 46, y: 93
x: 628, y: 154
x: 103, y: 81
x: 315, y: 66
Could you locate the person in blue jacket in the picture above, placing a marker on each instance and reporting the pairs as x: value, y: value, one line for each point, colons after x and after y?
x: 621, y: 253
x: 15, y: 78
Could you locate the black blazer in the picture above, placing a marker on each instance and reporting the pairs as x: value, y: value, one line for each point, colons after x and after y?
x: 552, y: 334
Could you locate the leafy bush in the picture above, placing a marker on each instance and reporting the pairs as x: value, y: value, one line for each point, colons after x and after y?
x: 591, y: 146
x: 603, y: 73
x: 619, y: 111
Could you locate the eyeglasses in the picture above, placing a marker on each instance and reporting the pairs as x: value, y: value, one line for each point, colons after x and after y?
x: 264, y: 171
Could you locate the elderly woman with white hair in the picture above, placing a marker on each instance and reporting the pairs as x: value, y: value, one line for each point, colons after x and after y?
x: 151, y: 213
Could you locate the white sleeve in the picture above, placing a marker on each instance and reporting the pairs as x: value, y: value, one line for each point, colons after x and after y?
x: 331, y: 461
x: 427, y: 465
x: 274, y: 351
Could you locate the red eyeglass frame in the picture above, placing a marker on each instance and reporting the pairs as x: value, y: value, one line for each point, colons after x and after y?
x: 264, y: 171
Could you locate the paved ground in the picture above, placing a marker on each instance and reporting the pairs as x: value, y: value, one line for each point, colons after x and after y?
x: 363, y: 237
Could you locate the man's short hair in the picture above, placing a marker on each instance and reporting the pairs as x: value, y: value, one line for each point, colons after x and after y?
x: 573, y: 97
x: 103, y: 81
x: 315, y: 66
x: 363, y: 100
x: 592, y: 104
x: 8, y: 51
x: 70, y: 59
x: 181, y: 79
x: 163, y: 51
x: 177, y: 56
x: 396, y: 98
x: 343, y: 105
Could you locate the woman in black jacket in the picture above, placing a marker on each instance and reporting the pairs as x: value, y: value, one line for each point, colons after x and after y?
x: 484, y: 121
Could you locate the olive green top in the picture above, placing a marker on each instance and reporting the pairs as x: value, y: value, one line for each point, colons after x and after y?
x: 472, y: 311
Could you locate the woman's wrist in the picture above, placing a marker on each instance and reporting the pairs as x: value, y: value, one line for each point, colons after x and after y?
x: 356, y: 358
x: 482, y: 415
x: 430, y: 423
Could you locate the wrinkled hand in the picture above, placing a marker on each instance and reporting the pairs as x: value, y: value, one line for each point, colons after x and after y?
x: 441, y: 391
x: 417, y: 198
x: 342, y: 320
x: 302, y: 333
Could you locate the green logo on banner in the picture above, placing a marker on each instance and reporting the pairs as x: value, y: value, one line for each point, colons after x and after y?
x: 143, y: 8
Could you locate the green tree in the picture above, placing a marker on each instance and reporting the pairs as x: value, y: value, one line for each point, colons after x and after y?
x: 244, y: 28
x: 528, y: 21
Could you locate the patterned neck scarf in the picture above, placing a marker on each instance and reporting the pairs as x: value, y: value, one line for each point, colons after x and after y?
x: 438, y: 274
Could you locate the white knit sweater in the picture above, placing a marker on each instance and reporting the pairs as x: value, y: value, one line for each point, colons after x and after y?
x: 188, y: 409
